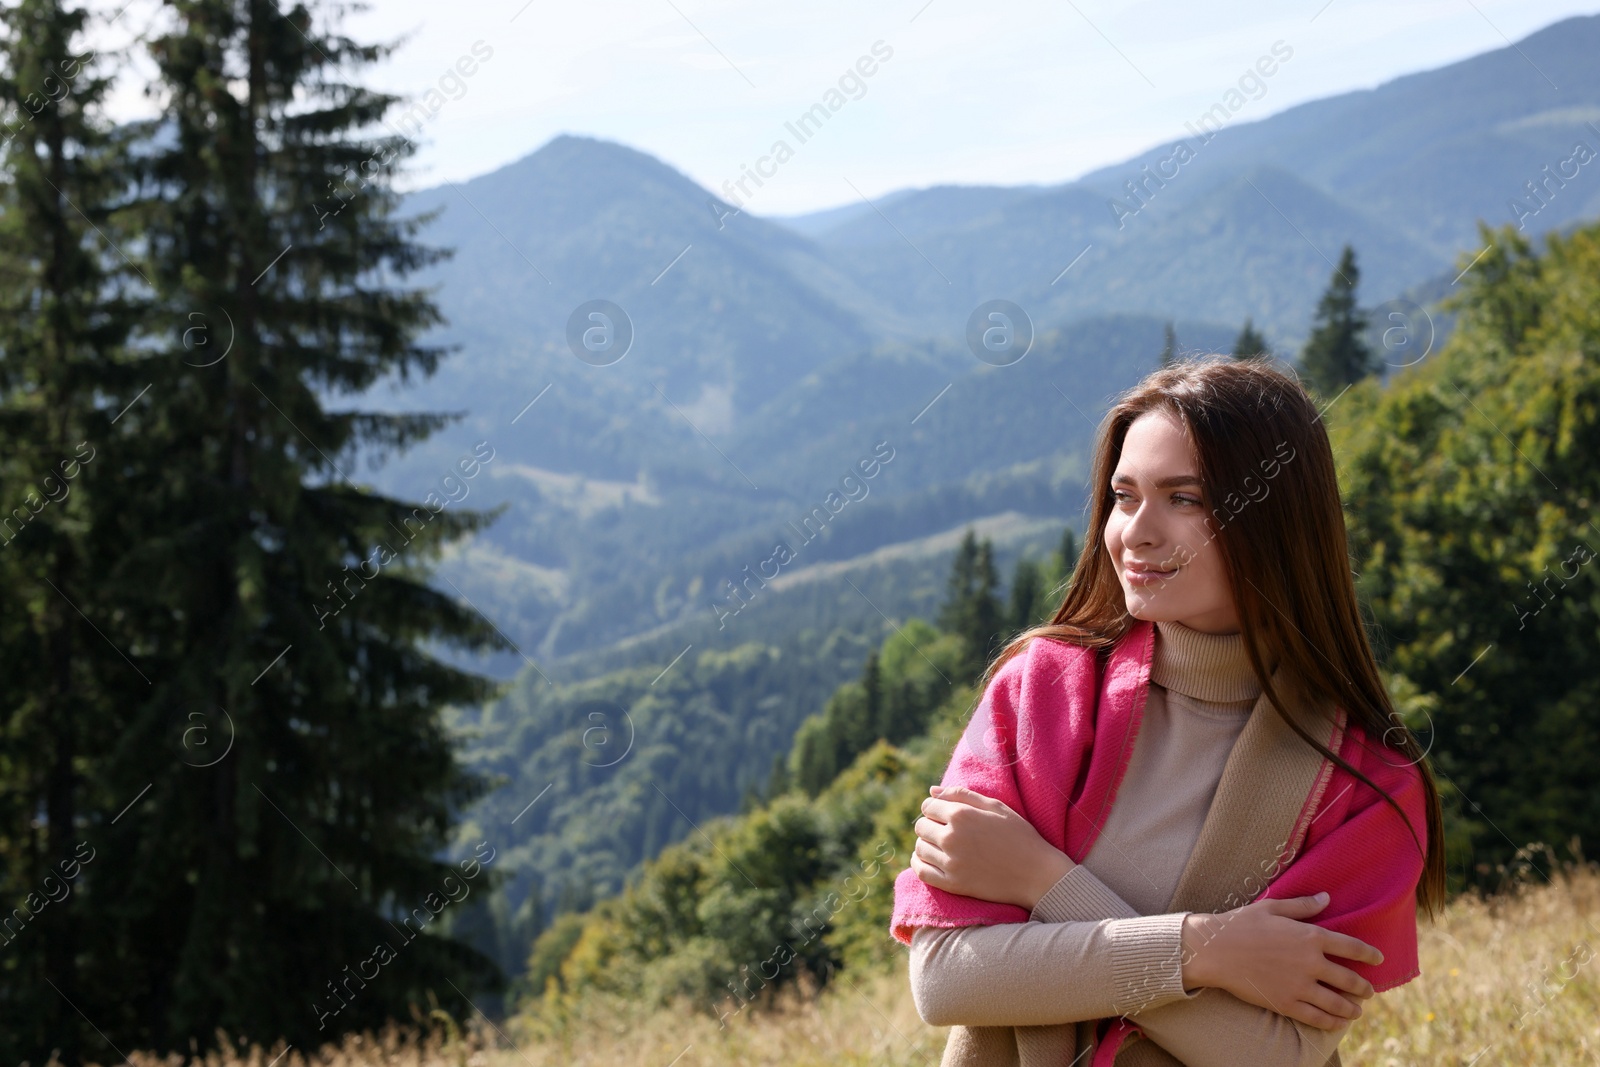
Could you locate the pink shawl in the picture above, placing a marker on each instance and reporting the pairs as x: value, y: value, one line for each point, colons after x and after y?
x: 1052, y: 737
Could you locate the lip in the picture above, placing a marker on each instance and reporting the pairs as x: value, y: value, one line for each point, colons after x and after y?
x: 1144, y: 574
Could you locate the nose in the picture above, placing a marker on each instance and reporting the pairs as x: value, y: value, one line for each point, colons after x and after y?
x: 1141, y: 530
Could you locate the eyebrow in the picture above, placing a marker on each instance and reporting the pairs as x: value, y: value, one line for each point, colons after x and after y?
x: 1161, y: 483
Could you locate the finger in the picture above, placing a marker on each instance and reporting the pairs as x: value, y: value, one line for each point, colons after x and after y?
x: 927, y: 866
x: 1334, y: 1003
x: 935, y: 833
x: 1312, y: 1015
x: 965, y: 795
x: 944, y: 810
x: 927, y: 872
x: 1345, y: 980
x: 1349, y: 948
x: 932, y: 855
x: 1359, y: 1002
x: 1296, y: 907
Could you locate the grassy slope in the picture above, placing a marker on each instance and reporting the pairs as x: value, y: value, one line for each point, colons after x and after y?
x: 1500, y: 983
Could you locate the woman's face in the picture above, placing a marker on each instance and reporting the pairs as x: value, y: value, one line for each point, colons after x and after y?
x: 1159, y: 534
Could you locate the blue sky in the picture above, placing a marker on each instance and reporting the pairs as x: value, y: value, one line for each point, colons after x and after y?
x: 998, y: 91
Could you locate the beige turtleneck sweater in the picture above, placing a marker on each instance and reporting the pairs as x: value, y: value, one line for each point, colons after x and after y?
x: 1059, y: 968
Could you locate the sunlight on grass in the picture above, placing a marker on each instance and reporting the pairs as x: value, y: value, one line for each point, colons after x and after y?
x: 1508, y: 980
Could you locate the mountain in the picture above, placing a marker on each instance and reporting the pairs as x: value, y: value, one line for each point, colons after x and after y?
x: 773, y: 361
x: 1403, y: 171
x: 583, y: 219
x: 769, y: 355
x: 1432, y: 152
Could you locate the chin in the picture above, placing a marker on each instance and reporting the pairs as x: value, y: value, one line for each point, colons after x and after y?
x: 1142, y: 611
x: 1146, y: 611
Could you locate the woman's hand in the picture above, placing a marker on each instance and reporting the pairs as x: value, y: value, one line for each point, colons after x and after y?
x: 976, y: 846
x: 1265, y: 954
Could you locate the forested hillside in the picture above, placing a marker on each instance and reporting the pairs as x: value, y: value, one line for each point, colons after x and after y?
x: 1469, y: 485
x: 1472, y: 487
x: 795, y: 886
x: 598, y: 774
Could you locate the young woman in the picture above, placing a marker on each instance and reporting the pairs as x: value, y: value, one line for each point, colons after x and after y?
x: 1184, y: 825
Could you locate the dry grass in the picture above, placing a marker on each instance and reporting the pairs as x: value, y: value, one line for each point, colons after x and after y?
x: 1509, y: 980
x: 440, y: 1046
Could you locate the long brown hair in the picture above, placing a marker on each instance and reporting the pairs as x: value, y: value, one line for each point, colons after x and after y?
x: 1270, y: 487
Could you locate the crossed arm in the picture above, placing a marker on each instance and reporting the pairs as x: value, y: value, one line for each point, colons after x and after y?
x: 1087, y: 954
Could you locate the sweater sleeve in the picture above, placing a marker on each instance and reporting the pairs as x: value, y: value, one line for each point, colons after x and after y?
x: 1047, y: 970
x: 1062, y: 967
x: 1039, y: 973
x: 1214, y: 1028
x: 1207, y: 1027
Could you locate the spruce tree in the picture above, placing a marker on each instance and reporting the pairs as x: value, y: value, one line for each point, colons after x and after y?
x: 1026, y: 598
x: 263, y: 591
x: 778, y: 781
x: 69, y: 301
x: 906, y: 709
x: 1336, y: 354
x: 1064, y: 560
x: 972, y: 606
x: 987, y: 624
x: 953, y: 613
x: 876, y: 715
x: 1169, y: 345
x: 1250, y: 343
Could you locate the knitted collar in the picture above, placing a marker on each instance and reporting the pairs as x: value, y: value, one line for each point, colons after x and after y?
x: 1212, y: 667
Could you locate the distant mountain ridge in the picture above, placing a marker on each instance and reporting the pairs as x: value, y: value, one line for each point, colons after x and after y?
x: 1404, y: 171
x: 768, y: 353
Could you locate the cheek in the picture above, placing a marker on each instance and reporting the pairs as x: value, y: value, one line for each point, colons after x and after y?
x: 1203, y: 544
x: 1113, y: 536
x: 1199, y: 533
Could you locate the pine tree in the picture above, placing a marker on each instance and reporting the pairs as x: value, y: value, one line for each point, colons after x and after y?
x: 854, y: 712
x: 1250, y: 343
x: 818, y: 748
x: 264, y: 588
x: 1026, y: 596
x: 1068, y: 550
x: 66, y: 315
x: 988, y: 617
x: 1336, y: 354
x: 778, y: 781
x: 876, y: 714
x: 1169, y: 345
x: 911, y: 708
x: 1064, y: 560
x: 972, y: 607
x: 955, y: 612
